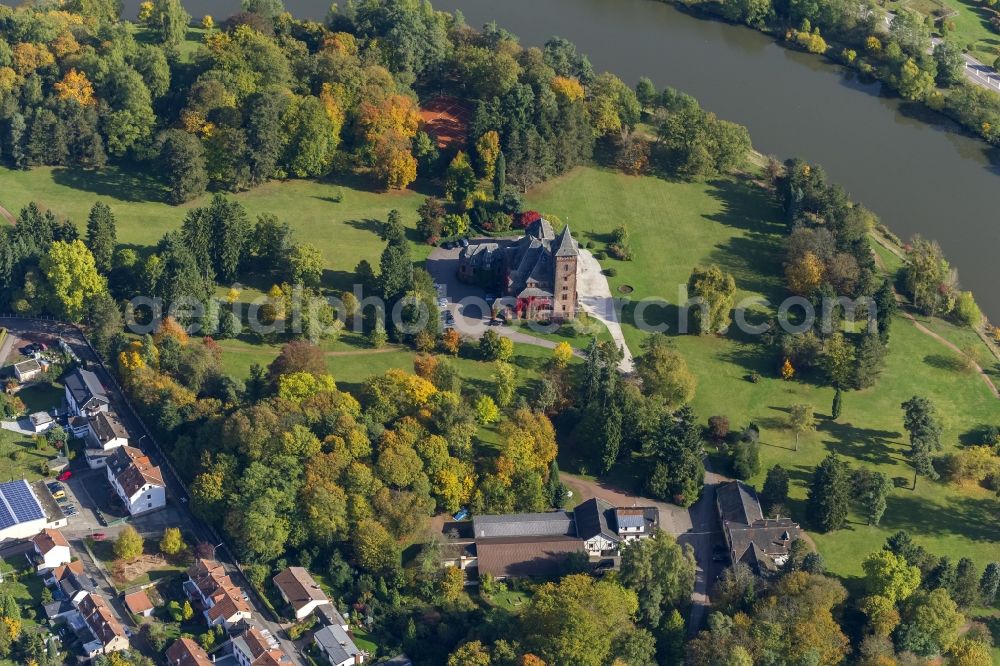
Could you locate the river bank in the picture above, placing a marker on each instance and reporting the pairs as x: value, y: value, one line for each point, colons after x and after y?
x: 952, y: 101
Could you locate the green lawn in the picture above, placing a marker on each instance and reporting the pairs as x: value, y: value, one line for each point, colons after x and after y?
x: 676, y: 226
x: 971, y: 22
x: 345, y: 232
x: 20, y: 459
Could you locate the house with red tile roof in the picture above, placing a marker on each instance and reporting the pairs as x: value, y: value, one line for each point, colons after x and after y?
x: 186, y: 652
x: 220, y: 599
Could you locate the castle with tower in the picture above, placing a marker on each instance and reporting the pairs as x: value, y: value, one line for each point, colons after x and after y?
x: 537, y: 272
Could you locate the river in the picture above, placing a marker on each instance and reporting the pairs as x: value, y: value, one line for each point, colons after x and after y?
x: 916, y: 170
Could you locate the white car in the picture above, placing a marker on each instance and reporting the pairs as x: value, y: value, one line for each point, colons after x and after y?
x: 442, y: 302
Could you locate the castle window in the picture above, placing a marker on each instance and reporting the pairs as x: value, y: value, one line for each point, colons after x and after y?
x: 565, y: 296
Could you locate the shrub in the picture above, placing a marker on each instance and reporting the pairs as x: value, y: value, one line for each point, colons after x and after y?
x: 600, y: 255
x: 745, y: 459
x: 610, y: 272
x: 718, y: 428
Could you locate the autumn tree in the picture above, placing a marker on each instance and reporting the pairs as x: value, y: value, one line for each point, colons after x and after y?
x: 714, y: 293
x: 664, y: 372
x: 578, y: 620
x: 72, y: 278
x: 172, y: 542
x: 75, y: 86
x: 487, y: 152
x: 128, y: 545
x: 804, y: 274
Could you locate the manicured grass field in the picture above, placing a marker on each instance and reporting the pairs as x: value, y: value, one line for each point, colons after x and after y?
x: 676, y: 226
x: 345, y: 232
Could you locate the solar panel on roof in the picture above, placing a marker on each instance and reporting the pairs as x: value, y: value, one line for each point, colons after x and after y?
x: 6, y: 519
x: 22, y: 501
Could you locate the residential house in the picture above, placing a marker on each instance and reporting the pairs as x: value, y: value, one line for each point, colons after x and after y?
x: 51, y: 549
x: 537, y: 544
x: 255, y: 646
x: 337, y: 647
x: 138, y: 603
x: 70, y: 582
x: 137, y: 481
x: 537, y: 272
x: 186, y: 652
x: 108, y: 633
x: 21, y: 514
x: 41, y: 421
x: 27, y: 370
x: 300, y: 591
x: 760, y: 543
x: 85, y: 396
x: 221, y: 600
x: 105, y: 433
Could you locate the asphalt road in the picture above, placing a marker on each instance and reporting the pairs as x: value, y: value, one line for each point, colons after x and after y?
x: 49, y: 331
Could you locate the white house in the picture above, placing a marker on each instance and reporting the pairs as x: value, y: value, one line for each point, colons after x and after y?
x: 300, y: 591
x: 257, y: 646
x: 41, y: 421
x: 85, y: 395
x: 21, y: 514
x: 136, y: 480
x: 52, y: 549
x: 336, y: 646
x: 27, y: 370
x: 105, y: 433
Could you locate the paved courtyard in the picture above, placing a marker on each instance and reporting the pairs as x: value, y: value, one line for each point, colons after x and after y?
x: 467, y: 302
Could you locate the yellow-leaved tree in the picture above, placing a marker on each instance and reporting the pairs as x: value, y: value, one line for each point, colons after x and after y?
x: 72, y: 277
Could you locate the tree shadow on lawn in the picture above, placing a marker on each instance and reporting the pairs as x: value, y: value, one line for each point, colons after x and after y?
x: 975, y: 436
x: 118, y: 182
x: 970, y: 517
x: 367, y: 224
x: 746, y: 206
x: 753, y: 261
x: 866, y: 444
x: 945, y: 362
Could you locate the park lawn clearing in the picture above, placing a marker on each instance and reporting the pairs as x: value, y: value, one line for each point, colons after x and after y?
x: 345, y: 231
x: 675, y: 226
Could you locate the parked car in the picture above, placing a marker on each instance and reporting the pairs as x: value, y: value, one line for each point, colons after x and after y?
x: 464, y: 242
x: 69, y: 511
x: 59, y: 494
x: 461, y: 515
x: 100, y: 517
x: 442, y: 302
x: 98, y: 536
x: 65, y: 476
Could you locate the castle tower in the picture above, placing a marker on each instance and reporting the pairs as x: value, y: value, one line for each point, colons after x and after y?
x: 565, y: 253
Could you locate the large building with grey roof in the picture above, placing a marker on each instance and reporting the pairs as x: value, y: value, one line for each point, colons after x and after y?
x: 537, y: 544
x: 761, y: 543
x: 536, y: 273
